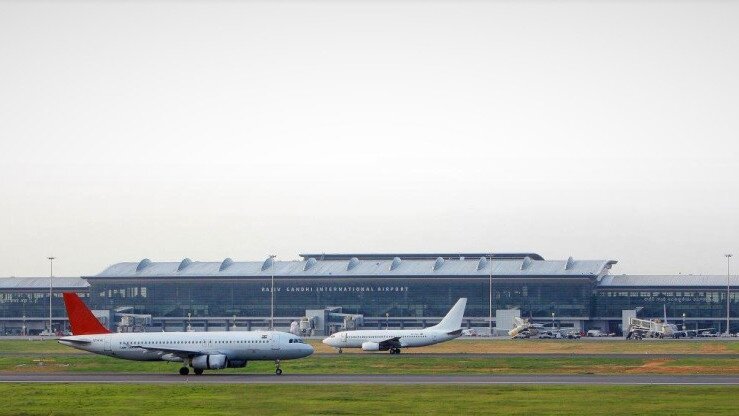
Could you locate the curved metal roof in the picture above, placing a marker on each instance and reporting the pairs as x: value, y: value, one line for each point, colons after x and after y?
x: 21, y: 283
x: 675, y: 280
x: 341, y: 268
x: 418, y: 256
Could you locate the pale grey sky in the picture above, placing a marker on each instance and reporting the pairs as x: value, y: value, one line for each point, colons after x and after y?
x: 211, y: 129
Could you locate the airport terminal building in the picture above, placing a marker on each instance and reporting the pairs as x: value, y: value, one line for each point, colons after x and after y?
x: 374, y: 290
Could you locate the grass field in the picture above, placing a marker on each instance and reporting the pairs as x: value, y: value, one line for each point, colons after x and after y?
x: 160, y: 400
x: 562, y: 346
x: 50, y: 356
x: 478, y: 346
x: 390, y: 364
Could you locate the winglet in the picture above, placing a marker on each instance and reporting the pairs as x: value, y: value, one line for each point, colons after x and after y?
x: 453, y: 319
x: 83, y: 322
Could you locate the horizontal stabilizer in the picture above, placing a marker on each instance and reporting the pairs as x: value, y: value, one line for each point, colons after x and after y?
x: 76, y: 341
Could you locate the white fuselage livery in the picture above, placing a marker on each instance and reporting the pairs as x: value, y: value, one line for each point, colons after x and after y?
x: 393, y: 340
x: 172, y: 346
x: 405, y: 337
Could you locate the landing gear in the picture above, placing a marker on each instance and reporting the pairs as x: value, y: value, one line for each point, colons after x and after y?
x: 340, y: 351
x: 278, y: 370
x: 199, y: 371
x: 184, y: 371
x: 394, y: 350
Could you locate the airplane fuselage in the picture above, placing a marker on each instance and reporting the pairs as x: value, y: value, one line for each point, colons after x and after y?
x: 153, y: 346
x: 406, y: 337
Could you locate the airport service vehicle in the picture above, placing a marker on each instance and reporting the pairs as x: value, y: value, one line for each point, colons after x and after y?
x: 572, y: 334
x: 393, y: 340
x: 199, y: 350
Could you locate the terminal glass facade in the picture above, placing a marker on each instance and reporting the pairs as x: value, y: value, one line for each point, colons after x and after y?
x: 370, y: 296
x: 32, y: 303
x: 696, y: 302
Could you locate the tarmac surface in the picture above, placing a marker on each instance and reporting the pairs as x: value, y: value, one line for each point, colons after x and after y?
x: 214, y: 378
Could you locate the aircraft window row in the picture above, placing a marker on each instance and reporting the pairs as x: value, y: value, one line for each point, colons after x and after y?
x: 201, y: 342
x: 384, y: 336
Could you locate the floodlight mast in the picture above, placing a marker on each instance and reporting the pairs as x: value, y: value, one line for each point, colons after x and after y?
x: 51, y: 287
x: 272, y: 295
x: 728, y: 292
x: 490, y: 297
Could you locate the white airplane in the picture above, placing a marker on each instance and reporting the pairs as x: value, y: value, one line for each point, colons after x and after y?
x: 200, y: 350
x: 394, y: 339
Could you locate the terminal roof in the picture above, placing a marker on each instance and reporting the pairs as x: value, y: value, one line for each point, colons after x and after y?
x: 354, y: 266
x: 674, y: 280
x: 21, y: 283
x: 419, y: 256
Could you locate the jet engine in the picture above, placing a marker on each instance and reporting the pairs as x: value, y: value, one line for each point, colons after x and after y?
x: 210, y: 362
x: 370, y: 346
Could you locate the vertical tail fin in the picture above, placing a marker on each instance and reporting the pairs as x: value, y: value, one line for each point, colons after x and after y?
x: 453, y: 319
x: 83, y: 322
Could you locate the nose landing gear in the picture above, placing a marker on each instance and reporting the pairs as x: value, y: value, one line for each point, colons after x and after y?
x: 278, y: 370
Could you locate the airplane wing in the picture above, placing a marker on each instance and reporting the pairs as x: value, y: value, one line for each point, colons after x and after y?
x: 390, y: 343
x: 180, y: 352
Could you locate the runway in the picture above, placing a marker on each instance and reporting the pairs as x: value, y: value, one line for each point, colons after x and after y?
x: 727, y: 380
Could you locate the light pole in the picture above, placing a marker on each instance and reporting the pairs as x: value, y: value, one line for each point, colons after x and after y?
x: 272, y: 295
x: 728, y: 290
x: 51, y: 286
x: 552, y: 321
x: 490, y: 296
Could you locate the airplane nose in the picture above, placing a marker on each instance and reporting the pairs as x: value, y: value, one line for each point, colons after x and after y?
x: 325, y: 341
x: 308, y: 350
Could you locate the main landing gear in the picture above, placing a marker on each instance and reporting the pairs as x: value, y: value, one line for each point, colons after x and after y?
x: 394, y: 350
x: 185, y: 371
x: 278, y: 370
x: 199, y: 371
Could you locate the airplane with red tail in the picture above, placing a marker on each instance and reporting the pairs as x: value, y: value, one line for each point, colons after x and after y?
x: 197, y: 350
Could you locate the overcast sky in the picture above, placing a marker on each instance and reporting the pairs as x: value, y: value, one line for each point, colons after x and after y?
x: 592, y: 129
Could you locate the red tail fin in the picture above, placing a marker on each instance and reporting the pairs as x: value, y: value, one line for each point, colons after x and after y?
x: 82, y: 320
